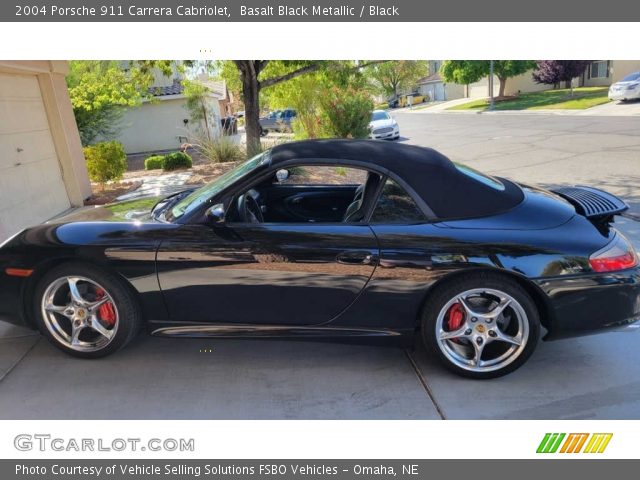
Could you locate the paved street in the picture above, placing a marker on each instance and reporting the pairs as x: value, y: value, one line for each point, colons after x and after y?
x: 594, y: 377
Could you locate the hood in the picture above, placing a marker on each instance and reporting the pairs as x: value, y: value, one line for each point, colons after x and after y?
x: 385, y: 122
x: 626, y: 84
x: 136, y: 210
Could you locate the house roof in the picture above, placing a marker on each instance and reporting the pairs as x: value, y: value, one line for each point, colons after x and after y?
x: 433, y: 78
x: 216, y: 88
x: 175, y: 89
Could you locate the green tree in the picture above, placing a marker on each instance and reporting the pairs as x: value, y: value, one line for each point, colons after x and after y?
x: 469, y: 71
x: 256, y: 75
x: 100, y: 90
x: 197, y: 104
x: 347, y: 112
x: 391, y: 76
x: 305, y: 92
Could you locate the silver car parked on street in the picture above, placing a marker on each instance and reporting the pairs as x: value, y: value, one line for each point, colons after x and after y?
x: 626, y: 89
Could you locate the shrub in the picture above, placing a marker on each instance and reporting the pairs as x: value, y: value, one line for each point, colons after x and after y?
x: 105, y: 161
x: 154, y: 162
x: 347, y: 112
x: 382, y: 106
x: 177, y: 160
x: 220, y: 150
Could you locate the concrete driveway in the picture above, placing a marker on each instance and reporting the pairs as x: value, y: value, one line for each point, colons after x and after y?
x: 615, y: 109
x: 594, y: 377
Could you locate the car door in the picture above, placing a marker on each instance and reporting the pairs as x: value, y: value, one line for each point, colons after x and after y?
x: 265, y: 274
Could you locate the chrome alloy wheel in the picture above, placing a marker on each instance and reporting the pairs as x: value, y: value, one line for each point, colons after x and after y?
x: 79, y: 313
x: 482, y: 330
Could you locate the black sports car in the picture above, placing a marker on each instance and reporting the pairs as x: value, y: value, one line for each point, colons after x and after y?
x: 475, y: 265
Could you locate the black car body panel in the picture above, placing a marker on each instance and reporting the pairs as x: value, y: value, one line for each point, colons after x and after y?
x: 324, y: 278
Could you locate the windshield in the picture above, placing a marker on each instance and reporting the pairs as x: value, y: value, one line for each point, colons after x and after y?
x: 480, y: 177
x: 632, y: 77
x: 201, y: 195
x: 379, y: 116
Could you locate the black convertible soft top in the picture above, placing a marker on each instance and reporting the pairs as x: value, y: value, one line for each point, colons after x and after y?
x: 449, y: 192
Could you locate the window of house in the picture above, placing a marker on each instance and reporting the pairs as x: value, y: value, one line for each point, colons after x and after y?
x: 599, y: 69
x: 396, y: 206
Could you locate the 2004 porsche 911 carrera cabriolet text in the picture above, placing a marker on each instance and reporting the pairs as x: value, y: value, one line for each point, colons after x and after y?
x: 478, y: 267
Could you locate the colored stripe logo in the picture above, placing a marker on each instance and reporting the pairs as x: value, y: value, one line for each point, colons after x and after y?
x: 574, y: 443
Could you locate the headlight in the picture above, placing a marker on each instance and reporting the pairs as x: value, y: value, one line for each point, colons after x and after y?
x: 631, y: 87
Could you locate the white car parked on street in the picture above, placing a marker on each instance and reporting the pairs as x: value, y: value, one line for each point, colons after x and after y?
x: 383, y: 126
x: 626, y: 89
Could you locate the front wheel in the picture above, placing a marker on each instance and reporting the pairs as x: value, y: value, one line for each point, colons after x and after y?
x: 85, y: 311
x: 481, y: 326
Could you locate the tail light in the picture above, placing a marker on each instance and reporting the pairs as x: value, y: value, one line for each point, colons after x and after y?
x: 618, y: 255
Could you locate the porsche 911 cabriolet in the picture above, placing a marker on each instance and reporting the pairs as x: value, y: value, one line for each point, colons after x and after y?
x: 404, y: 245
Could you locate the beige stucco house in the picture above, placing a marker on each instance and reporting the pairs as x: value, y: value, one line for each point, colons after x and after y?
x: 163, y: 122
x: 42, y: 167
x: 600, y: 73
x: 435, y: 88
x: 606, y: 72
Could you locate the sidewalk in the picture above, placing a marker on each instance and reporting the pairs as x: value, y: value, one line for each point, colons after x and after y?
x: 436, y: 107
x: 612, y: 109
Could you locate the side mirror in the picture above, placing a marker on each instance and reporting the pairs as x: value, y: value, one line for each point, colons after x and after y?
x: 215, y: 214
x: 282, y: 175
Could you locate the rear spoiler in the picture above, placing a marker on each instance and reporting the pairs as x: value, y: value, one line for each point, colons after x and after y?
x: 593, y: 203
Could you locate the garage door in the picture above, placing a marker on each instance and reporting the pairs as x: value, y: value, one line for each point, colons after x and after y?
x: 31, y: 185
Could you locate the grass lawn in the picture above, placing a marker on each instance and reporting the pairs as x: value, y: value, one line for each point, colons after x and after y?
x: 583, y: 97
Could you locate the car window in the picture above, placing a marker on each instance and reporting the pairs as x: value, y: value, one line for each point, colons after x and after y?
x: 325, y: 175
x: 395, y: 205
x: 480, y: 177
x: 632, y: 77
x: 379, y: 116
x: 201, y: 195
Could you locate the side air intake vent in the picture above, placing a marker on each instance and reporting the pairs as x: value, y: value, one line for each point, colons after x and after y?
x: 592, y: 202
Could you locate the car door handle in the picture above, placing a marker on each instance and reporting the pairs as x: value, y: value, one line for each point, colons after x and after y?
x: 355, y: 258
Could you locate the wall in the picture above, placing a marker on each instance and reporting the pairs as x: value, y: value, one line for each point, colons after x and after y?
x: 622, y: 68
x: 159, y: 124
x: 438, y: 91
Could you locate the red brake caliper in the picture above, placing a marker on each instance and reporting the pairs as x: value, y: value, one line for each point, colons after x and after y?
x: 106, y: 311
x: 455, y: 317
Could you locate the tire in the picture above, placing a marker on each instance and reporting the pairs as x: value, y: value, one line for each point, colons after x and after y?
x: 478, y: 311
x: 102, y: 317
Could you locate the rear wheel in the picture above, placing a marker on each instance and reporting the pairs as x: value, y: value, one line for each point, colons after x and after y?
x: 481, y: 325
x: 85, y: 311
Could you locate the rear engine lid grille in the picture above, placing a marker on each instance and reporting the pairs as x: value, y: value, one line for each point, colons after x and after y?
x: 592, y: 202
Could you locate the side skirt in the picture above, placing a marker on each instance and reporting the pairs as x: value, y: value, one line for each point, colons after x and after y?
x: 277, y: 331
